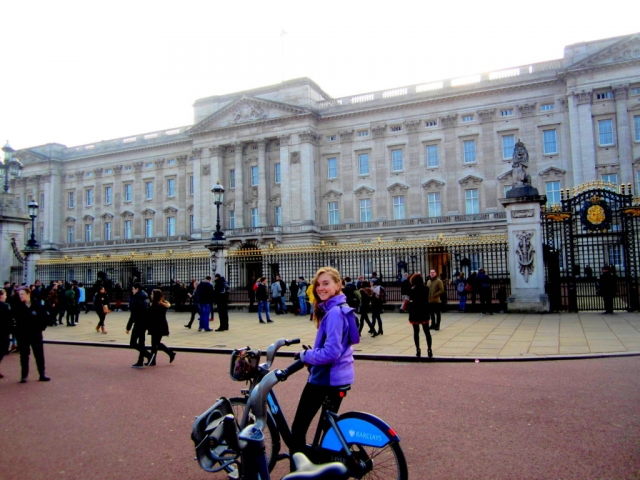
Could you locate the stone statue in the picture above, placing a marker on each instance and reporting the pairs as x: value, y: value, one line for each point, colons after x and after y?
x: 525, y: 254
x: 521, y: 179
x: 520, y: 165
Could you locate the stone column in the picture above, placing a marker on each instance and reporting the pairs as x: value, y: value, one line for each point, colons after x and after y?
x: 218, y: 257
x: 623, y: 135
x: 307, y: 159
x: 583, y: 160
x: 198, y: 196
x: 12, y: 222
x: 118, y: 202
x: 262, y: 183
x: 526, y: 268
x: 239, y: 189
x: 285, y: 180
x: 31, y: 257
x: 451, y: 196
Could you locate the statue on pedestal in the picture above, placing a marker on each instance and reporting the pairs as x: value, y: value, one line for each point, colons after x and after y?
x: 521, y: 179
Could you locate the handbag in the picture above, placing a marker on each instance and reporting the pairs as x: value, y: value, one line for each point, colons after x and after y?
x: 105, y: 309
x: 468, y: 288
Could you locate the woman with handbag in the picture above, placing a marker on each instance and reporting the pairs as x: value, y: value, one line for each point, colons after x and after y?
x: 419, y: 312
x: 158, y: 326
x: 101, y: 305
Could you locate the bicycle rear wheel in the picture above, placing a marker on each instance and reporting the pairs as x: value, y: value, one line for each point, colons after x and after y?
x: 271, y: 434
x: 385, y: 462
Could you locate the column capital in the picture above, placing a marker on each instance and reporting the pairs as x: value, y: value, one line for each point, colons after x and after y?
x: 527, y: 109
x: 309, y: 137
x: 412, y: 125
x: 583, y: 97
x: 346, y: 136
x: 216, y: 150
x: 486, y: 115
x: 620, y: 91
x: 196, y: 152
x: 378, y: 130
x: 449, y: 120
x: 284, y: 140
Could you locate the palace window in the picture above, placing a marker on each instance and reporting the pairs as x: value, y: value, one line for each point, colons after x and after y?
x: 171, y: 187
x: 71, y: 199
x: 148, y: 227
x: 88, y: 232
x: 363, y: 164
x: 549, y: 142
x: 554, y: 193
x: 433, y: 159
x: 334, y: 216
x: 604, y: 95
x: 232, y: 179
x: 365, y: 210
x: 467, y: 118
x: 507, y: 112
x: 395, y: 128
x: 397, y: 163
x: 89, y: 197
x: 431, y: 123
x: 398, y: 208
x: 332, y: 138
x: 148, y: 190
x: 192, y: 225
x: 277, y: 173
x: 434, y: 204
x: 108, y: 195
x: 610, y: 178
x: 508, y: 142
x: 254, y: 176
x: 469, y: 148
x: 70, y: 234
x: 278, y: 215
x: 107, y: 231
x: 545, y: 107
x: 128, y: 233
x: 605, y: 132
x: 363, y: 133
x: 254, y: 218
x: 472, y: 201
x: 232, y: 219
x: 171, y: 226
x: 332, y: 167
x: 636, y: 128
x: 128, y: 192
x: 192, y: 185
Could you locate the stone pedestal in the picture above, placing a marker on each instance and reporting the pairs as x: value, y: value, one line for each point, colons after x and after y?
x: 12, y: 222
x: 526, y: 268
x: 31, y: 257
x: 218, y: 258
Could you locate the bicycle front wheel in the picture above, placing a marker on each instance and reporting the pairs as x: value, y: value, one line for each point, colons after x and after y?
x: 385, y: 462
x: 271, y: 434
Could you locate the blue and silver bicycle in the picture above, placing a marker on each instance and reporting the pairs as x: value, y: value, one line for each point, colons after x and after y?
x: 364, y: 443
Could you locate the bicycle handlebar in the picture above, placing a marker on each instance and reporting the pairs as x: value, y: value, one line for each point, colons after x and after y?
x: 275, y: 346
x: 290, y: 370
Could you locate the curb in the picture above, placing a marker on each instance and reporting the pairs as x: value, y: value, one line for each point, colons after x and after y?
x: 379, y: 358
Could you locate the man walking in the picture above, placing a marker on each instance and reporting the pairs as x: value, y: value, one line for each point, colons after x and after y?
x: 139, y: 307
x: 276, y: 295
x: 205, y: 297
x: 607, y: 285
x: 484, y: 281
x: 283, y: 296
x: 221, y: 289
x: 302, y: 295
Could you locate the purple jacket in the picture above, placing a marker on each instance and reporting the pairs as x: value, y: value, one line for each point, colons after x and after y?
x: 331, y: 357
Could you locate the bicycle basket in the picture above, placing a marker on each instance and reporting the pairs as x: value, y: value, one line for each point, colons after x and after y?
x: 244, y: 364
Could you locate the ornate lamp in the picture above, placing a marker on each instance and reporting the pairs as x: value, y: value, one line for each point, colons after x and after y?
x: 11, y: 167
x: 218, y: 198
x: 33, y: 213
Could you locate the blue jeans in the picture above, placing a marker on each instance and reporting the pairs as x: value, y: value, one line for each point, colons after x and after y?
x: 205, y: 311
x: 463, y: 301
x: 263, y: 306
x: 283, y: 301
x: 303, y: 305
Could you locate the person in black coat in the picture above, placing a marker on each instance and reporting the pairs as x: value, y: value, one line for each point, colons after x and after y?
x: 607, y: 287
x: 100, y: 301
x: 139, y: 307
x: 221, y: 289
x: 31, y: 320
x: 419, y: 313
x: 293, y: 297
x: 6, y: 324
x: 158, y: 326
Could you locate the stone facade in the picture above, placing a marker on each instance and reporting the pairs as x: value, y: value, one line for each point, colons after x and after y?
x: 302, y: 167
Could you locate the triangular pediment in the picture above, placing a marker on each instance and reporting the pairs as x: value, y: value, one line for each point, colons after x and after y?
x: 470, y: 180
x: 433, y: 183
x: 106, y: 216
x: 169, y: 210
x: 126, y: 213
x: 552, y: 172
x: 88, y: 218
x: 246, y: 110
x: 69, y: 220
x: 364, y: 191
x: 397, y: 188
x: 148, y: 211
x: 624, y: 50
x: 332, y: 194
x: 506, y: 176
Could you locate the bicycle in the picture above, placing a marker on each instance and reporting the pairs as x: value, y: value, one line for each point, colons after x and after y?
x: 367, y: 445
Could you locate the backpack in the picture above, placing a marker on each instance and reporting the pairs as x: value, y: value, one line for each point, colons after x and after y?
x: 460, y: 287
x: 352, y: 297
x: 382, y: 294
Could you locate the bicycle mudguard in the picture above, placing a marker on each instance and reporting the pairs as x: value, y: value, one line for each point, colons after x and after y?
x: 216, y: 412
x: 362, y: 428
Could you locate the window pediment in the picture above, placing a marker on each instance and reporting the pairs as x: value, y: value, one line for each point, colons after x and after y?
x: 106, y: 216
x: 470, y: 180
x: 148, y: 212
x: 170, y: 210
x: 332, y: 195
x: 397, y: 188
x: 433, y: 184
x: 552, y: 172
x: 362, y: 191
x: 70, y: 220
x: 275, y: 200
x: 88, y: 218
x: 506, y: 177
x: 126, y: 214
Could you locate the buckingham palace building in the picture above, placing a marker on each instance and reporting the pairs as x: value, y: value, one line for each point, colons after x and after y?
x: 301, y: 167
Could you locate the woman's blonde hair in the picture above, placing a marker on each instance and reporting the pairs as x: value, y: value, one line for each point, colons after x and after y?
x: 335, y: 276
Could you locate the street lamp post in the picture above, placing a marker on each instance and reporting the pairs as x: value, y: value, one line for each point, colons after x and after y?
x: 218, y: 198
x: 10, y: 167
x: 33, y: 213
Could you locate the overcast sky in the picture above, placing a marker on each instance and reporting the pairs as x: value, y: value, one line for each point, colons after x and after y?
x: 80, y: 71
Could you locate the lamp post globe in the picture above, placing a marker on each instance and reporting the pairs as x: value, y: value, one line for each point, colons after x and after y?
x: 218, y: 198
x: 10, y: 167
x: 33, y: 213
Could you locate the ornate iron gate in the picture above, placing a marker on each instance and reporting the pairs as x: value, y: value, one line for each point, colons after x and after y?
x: 596, y: 224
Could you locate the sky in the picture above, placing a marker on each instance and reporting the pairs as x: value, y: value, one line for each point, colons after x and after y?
x: 76, y: 72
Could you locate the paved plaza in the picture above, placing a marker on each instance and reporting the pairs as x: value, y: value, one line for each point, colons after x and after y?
x: 462, y: 335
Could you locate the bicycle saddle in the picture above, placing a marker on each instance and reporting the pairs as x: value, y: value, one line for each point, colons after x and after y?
x: 305, y: 470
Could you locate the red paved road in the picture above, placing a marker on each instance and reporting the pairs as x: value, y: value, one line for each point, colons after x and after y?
x: 101, y: 419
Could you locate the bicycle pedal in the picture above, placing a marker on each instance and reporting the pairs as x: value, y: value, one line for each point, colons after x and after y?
x: 245, y: 392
